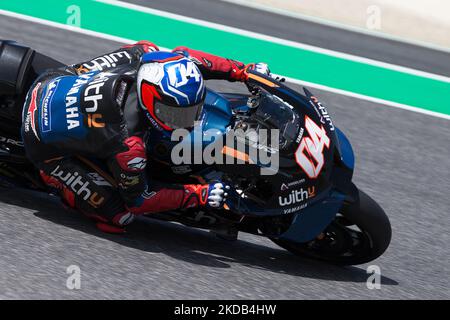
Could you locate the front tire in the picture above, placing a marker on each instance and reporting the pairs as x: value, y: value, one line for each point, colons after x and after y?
x: 360, y: 233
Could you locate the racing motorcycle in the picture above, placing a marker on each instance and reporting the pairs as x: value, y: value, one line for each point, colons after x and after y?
x: 307, y: 205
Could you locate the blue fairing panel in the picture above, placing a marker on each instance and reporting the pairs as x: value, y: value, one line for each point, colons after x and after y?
x: 348, y: 157
x: 311, y: 221
x: 217, y: 112
x: 218, y: 102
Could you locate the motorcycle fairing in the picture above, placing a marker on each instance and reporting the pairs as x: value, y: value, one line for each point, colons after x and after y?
x: 312, y: 220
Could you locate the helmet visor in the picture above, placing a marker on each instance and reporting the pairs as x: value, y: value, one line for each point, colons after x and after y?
x: 178, y: 117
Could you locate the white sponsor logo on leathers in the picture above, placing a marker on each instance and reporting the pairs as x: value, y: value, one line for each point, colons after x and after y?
x: 137, y: 163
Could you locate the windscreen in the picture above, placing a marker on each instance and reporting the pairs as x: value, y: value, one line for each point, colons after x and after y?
x: 277, y: 114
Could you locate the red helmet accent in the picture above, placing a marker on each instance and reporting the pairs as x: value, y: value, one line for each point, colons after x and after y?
x: 149, y: 93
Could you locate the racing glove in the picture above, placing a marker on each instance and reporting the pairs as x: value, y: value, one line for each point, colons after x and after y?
x: 217, y: 194
x: 211, y: 195
x: 260, y: 67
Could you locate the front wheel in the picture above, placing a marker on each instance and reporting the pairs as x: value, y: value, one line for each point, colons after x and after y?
x: 360, y: 233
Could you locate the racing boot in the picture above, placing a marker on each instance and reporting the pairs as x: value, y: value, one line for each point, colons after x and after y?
x: 109, y: 223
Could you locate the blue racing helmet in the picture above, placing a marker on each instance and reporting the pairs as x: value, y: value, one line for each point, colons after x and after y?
x: 171, y: 89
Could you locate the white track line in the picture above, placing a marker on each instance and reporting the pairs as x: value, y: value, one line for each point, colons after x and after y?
x: 337, y: 25
x: 264, y: 37
x: 367, y: 98
x: 65, y: 27
x: 296, y: 81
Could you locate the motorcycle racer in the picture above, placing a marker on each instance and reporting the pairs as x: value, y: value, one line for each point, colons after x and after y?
x: 101, y: 109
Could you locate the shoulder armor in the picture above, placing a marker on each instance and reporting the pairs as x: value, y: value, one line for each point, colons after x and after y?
x: 104, y: 96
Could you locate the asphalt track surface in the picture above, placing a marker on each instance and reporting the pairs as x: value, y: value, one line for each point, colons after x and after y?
x: 402, y: 161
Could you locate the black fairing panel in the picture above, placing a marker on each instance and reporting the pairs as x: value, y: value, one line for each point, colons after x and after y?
x: 19, y: 67
x: 15, y: 62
